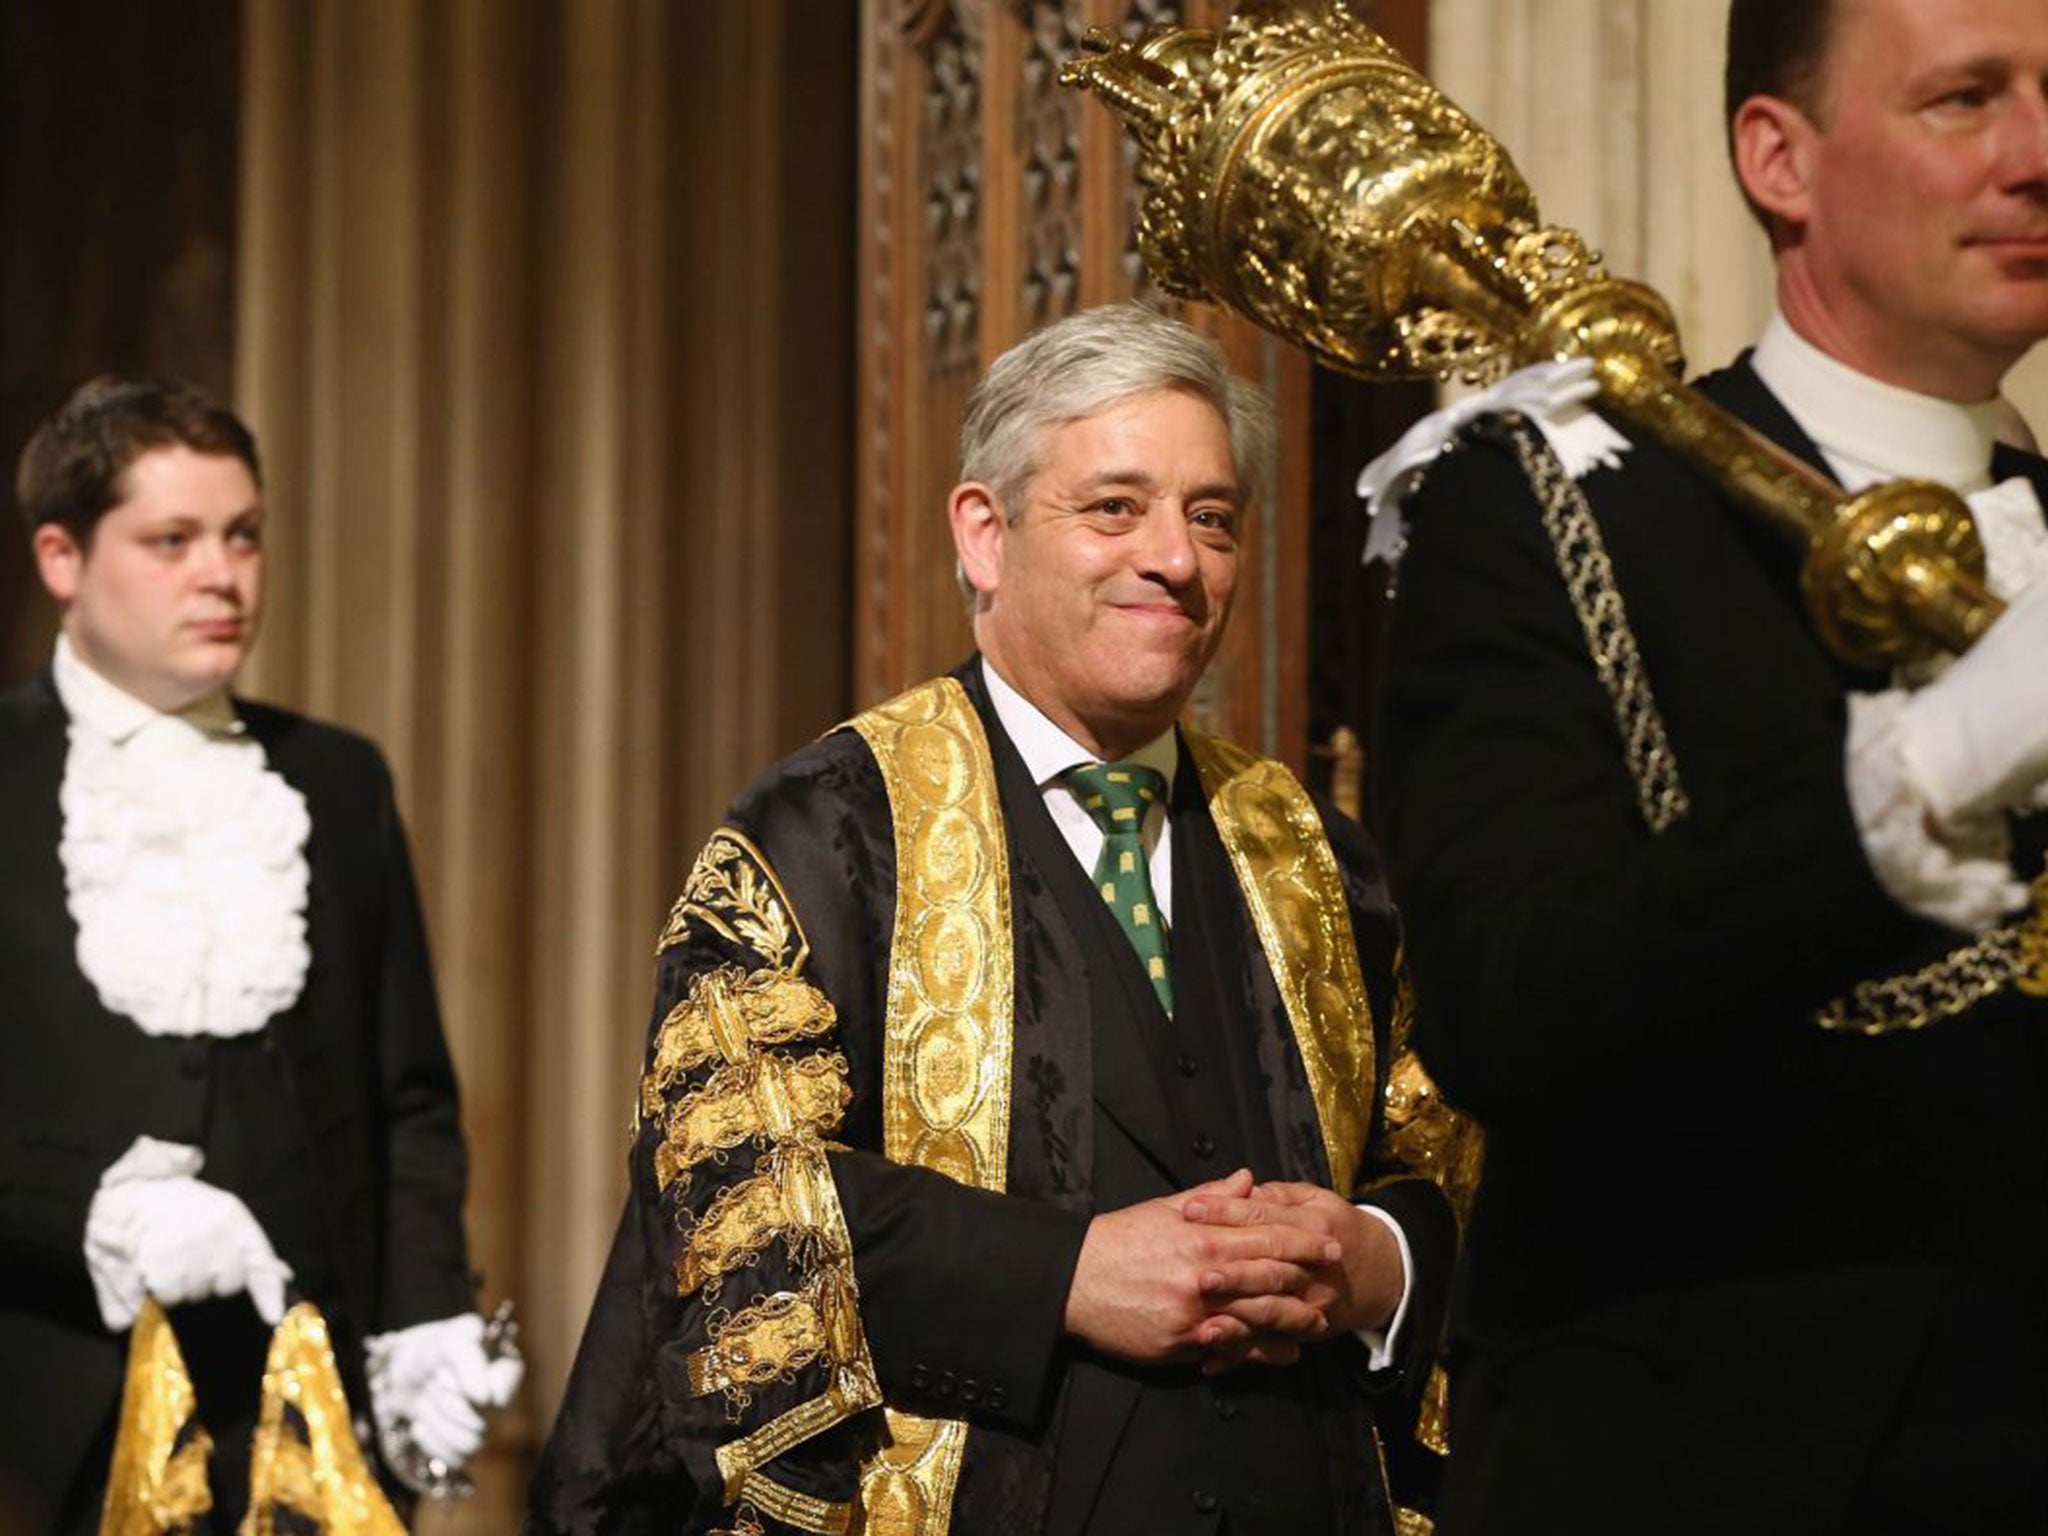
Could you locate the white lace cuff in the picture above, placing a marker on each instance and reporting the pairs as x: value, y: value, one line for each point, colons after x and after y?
x: 1962, y: 879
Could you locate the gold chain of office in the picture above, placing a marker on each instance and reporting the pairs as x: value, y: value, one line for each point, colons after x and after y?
x: 2014, y: 954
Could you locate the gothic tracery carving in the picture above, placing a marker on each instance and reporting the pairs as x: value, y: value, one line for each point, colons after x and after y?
x: 1050, y: 142
x: 952, y: 201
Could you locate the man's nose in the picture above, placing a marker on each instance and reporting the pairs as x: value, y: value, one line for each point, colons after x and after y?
x: 1168, y: 546
x: 216, y: 568
x: 2023, y: 148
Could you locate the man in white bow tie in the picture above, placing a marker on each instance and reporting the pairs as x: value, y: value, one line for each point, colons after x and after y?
x: 224, y: 1069
x: 1731, y: 946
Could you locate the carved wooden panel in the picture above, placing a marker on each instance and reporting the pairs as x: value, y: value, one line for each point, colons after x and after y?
x: 994, y: 201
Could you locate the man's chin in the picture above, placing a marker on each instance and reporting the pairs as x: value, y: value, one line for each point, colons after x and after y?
x: 213, y: 666
x: 1162, y: 691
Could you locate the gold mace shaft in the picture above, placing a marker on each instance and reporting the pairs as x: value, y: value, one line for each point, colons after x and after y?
x: 1302, y: 173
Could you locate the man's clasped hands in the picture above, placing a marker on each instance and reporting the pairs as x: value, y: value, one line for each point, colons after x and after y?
x: 1231, y: 1272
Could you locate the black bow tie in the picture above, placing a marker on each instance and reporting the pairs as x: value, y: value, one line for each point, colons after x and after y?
x: 2010, y: 463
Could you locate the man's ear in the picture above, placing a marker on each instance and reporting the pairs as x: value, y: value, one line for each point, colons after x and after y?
x: 1773, y: 142
x: 59, y: 560
x: 978, y: 524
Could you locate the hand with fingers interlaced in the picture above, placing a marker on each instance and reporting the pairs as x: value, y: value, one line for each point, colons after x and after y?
x: 1230, y: 1272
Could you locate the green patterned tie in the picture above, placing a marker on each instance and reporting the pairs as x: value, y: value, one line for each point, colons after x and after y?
x: 1117, y: 795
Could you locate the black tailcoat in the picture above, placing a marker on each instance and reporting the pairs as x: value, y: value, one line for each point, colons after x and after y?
x: 1726, y: 1271
x: 962, y: 1291
x: 337, y: 1123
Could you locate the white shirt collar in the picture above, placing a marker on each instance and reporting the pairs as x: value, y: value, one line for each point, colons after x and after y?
x: 118, y: 715
x: 1875, y: 431
x: 1049, y: 751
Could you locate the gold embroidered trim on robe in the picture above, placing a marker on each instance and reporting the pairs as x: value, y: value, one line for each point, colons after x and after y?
x: 952, y: 986
x: 848, y: 1394
x: 1295, y: 897
x: 155, y: 1486
x: 305, y: 1465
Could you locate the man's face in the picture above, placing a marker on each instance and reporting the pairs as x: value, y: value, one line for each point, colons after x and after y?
x: 1106, y: 599
x: 1927, y: 230
x: 164, y: 601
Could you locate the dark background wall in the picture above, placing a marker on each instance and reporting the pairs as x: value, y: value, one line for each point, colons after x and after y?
x: 117, y: 209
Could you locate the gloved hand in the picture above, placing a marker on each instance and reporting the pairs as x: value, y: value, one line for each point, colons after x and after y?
x: 429, y: 1385
x: 155, y: 1229
x: 1976, y: 738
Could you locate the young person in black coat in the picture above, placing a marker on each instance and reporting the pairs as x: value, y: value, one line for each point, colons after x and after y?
x: 226, y: 1084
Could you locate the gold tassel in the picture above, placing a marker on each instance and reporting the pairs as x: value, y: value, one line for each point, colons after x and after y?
x: 154, y: 1487
x: 305, y: 1461
x: 309, y: 1463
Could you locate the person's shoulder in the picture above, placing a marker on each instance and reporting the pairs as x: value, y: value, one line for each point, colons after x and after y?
x: 304, y: 748
x: 30, y: 707
x: 273, y: 723
x: 833, y: 775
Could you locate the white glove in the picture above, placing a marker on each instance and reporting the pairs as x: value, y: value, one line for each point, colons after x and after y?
x: 429, y: 1385
x: 1976, y: 738
x: 154, y: 1229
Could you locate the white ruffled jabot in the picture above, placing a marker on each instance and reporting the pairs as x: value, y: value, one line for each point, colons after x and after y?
x: 184, y: 860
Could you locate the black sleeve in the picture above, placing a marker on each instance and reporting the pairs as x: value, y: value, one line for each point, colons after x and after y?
x: 426, y: 1267
x: 1552, y: 935
x: 1422, y: 1161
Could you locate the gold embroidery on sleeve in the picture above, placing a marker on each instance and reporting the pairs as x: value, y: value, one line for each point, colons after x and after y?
x: 769, y: 1341
x: 728, y: 1015
x: 1421, y: 1133
x: 777, y: 1336
x: 732, y: 890
x: 820, y: 1516
x: 737, y: 1458
x: 720, y: 1076
x: 766, y: 1099
x: 741, y: 1221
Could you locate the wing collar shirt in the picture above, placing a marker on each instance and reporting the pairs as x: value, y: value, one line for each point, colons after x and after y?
x: 1869, y: 431
x: 1048, y: 752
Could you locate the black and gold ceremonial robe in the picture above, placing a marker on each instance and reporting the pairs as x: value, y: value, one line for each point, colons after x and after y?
x: 899, y: 1057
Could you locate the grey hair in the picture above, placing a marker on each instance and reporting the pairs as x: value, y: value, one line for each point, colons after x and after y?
x: 1086, y: 362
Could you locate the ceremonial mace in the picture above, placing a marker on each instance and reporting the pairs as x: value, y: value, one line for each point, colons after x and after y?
x: 1301, y: 172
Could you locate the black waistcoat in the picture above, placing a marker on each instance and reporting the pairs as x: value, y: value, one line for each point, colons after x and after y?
x: 1178, y: 1101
